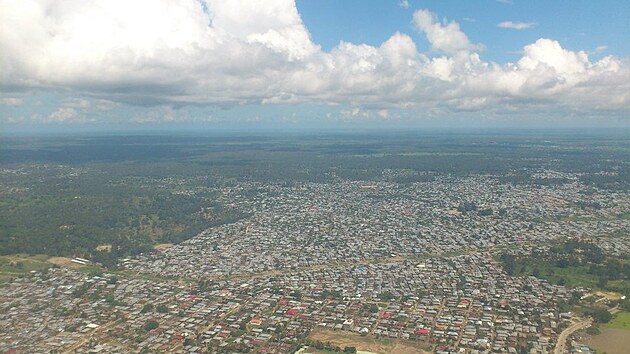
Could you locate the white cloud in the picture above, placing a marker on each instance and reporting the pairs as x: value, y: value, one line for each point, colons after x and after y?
x: 516, y: 25
x: 447, y: 38
x: 11, y: 101
x: 160, y: 114
x: 63, y: 114
x: 404, y: 4
x: 90, y: 104
x: 167, y: 52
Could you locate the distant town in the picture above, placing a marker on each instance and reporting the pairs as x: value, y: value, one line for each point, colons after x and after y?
x: 320, y: 267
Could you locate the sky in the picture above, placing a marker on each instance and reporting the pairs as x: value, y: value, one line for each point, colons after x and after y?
x: 282, y: 64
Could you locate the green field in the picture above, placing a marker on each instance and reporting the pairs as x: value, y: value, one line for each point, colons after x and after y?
x: 621, y: 320
x: 20, y: 264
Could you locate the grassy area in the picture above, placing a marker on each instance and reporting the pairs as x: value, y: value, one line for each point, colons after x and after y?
x: 621, y: 321
x: 16, y: 265
x: 570, y: 276
x: 20, y: 264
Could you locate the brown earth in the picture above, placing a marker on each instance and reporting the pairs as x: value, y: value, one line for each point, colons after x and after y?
x: 369, y: 343
x: 107, y: 248
x: 163, y: 246
x: 64, y: 262
x: 611, y: 341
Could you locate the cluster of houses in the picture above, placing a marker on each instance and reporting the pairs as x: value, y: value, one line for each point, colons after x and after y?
x: 385, y: 260
x: 460, y: 302
x: 318, y: 224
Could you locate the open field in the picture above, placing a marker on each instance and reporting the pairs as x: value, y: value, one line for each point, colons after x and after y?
x: 65, y: 262
x: 621, y: 321
x: 611, y: 341
x: 368, y: 343
x: 104, y: 248
x: 163, y: 246
x: 18, y: 264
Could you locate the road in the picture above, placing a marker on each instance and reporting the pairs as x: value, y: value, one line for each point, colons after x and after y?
x: 562, y: 338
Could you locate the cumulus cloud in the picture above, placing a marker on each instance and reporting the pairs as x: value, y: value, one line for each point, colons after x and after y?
x: 446, y: 37
x: 516, y: 25
x: 225, y: 53
x: 11, y: 101
x: 63, y: 114
x: 90, y: 104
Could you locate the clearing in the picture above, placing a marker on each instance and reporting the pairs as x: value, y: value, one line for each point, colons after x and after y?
x: 621, y: 321
x: 104, y: 247
x: 611, y: 341
x: 369, y: 343
x: 18, y: 264
x: 163, y: 246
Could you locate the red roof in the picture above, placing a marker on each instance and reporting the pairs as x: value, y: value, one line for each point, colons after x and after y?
x: 387, y: 315
x: 422, y: 331
x: 292, y: 312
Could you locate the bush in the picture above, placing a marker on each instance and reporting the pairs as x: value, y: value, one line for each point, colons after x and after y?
x: 600, y: 315
x: 593, y: 330
x: 150, y: 325
x: 147, y: 308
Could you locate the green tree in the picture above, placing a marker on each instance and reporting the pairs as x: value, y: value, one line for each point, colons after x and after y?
x: 150, y: 325
x: 147, y: 308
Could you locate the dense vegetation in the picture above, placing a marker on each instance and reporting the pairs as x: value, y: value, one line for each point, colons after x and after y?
x: 68, y: 195
x: 575, y: 264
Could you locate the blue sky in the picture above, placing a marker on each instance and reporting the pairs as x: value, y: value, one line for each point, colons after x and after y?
x: 278, y: 64
x: 577, y: 24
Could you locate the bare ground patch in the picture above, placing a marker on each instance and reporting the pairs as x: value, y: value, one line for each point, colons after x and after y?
x: 64, y: 262
x: 369, y: 343
x: 104, y: 248
x: 163, y: 246
x: 611, y: 341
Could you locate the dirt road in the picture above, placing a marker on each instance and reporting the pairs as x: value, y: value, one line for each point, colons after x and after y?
x: 562, y: 338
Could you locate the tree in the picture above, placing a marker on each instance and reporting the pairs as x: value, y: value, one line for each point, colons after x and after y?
x: 600, y: 315
x: 509, y: 261
x: 150, y: 325
x: 147, y: 308
x: 536, y: 272
x: 602, y: 281
x: 486, y: 212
